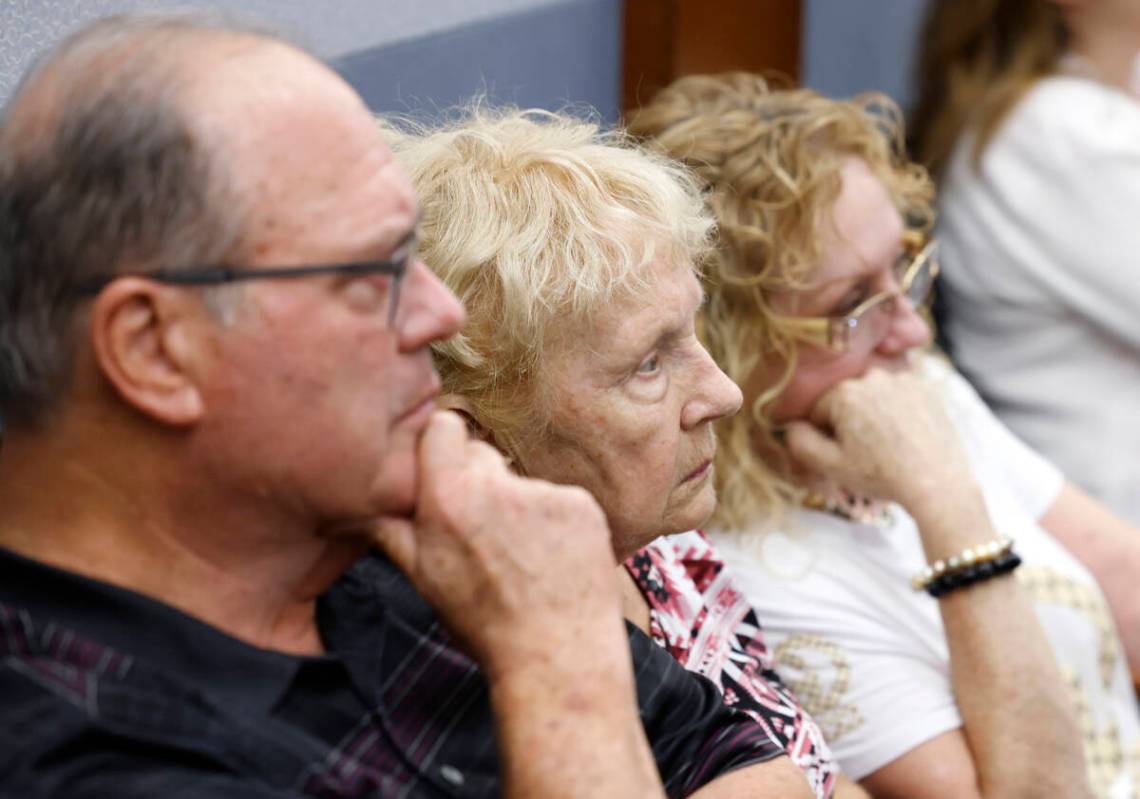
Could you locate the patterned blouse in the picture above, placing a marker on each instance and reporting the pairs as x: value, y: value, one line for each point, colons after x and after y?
x: 697, y: 613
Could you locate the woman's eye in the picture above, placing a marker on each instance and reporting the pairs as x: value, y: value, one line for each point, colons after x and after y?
x: 849, y: 305
x: 650, y: 365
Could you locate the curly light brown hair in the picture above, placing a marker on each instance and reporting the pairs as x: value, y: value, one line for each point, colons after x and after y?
x: 770, y: 162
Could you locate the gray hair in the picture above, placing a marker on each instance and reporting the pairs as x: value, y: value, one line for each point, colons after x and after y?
x: 101, y: 170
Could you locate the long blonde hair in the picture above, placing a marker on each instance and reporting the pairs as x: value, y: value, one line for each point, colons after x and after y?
x: 977, y: 59
x: 771, y: 165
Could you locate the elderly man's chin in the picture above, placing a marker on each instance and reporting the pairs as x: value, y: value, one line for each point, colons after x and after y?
x: 395, y: 483
x: 392, y: 496
x: 394, y: 489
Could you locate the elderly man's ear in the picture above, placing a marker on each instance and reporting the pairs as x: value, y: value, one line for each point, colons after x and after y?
x: 144, y: 344
x: 460, y: 405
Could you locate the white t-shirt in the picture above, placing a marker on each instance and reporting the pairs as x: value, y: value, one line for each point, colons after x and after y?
x: 866, y: 654
x: 1041, y: 279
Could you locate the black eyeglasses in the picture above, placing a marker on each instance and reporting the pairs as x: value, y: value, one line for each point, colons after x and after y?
x: 395, y: 267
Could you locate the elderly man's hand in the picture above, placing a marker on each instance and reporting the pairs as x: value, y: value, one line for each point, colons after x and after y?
x: 522, y: 573
x: 518, y: 569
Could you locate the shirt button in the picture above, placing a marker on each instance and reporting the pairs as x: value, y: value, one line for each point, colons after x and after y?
x: 451, y: 774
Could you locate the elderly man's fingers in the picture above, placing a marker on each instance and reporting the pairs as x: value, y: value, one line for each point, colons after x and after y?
x: 396, y: 538
x: 483, y: 453
x: 447, y: 443
x: 814, y: 449
x: 443, y: 442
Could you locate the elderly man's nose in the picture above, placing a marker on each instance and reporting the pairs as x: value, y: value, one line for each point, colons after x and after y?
x: 428, y: 310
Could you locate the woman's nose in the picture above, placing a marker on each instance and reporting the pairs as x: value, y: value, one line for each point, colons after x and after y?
x: 716, y: 397
x: 908, y: 329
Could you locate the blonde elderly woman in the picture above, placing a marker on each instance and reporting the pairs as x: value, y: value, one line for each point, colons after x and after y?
x: 868, y: 496
x: 575, y: 255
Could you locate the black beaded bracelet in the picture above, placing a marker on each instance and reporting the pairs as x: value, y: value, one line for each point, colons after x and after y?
x: 975, y: 573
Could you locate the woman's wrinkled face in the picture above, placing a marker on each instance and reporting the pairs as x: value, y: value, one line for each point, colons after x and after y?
x: 861, y: 247
x: 632, y: 401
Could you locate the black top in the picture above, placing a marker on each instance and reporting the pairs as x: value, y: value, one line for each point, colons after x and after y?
x: 107, y: 693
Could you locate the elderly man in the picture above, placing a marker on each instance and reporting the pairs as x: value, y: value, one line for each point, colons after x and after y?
x: 215, y: 376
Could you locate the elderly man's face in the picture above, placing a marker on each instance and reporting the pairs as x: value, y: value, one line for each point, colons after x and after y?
x: 313, y: 400
x: 634, y: 399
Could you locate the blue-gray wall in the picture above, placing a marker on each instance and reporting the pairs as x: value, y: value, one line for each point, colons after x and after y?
x: 852, y: 46
x: 548, y: 56
x: 399, y: 53
x: 406, y: 55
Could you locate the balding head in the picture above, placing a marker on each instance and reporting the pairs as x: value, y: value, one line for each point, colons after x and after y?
x: 107, y: 163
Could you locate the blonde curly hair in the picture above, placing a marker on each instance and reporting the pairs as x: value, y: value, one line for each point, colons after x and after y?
x: 770, y: 162
x: 537, y: 221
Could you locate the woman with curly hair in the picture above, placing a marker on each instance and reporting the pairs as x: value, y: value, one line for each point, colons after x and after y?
x: 1029, y: 114
x: 873, y: 507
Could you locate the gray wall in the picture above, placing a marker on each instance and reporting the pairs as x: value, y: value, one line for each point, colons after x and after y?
x: 397, y: 52
x: 558, y: 54
x: 852, y: 46
x: 405, y: 55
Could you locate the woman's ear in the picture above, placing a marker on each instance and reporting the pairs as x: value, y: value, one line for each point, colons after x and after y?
x: 459, y: 404
x: 462, y: 406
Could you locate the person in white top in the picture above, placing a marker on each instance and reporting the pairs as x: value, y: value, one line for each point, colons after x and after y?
x: 863, y: 462
x: 1028, y: 113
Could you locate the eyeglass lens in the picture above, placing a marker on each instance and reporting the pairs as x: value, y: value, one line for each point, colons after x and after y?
x: 405, y: 258
x: 394, y: 298
x: 920, y: 284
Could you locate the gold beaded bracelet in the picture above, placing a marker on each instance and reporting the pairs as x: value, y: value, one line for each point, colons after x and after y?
x: 966, y: 559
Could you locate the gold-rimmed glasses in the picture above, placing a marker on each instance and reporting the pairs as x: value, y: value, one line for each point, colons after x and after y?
x: 870, y: 320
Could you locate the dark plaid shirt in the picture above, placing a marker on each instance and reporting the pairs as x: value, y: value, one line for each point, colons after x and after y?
x: 106, y: 693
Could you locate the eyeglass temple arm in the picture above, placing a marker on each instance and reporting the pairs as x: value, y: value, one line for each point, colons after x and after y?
x: 219, y: 275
